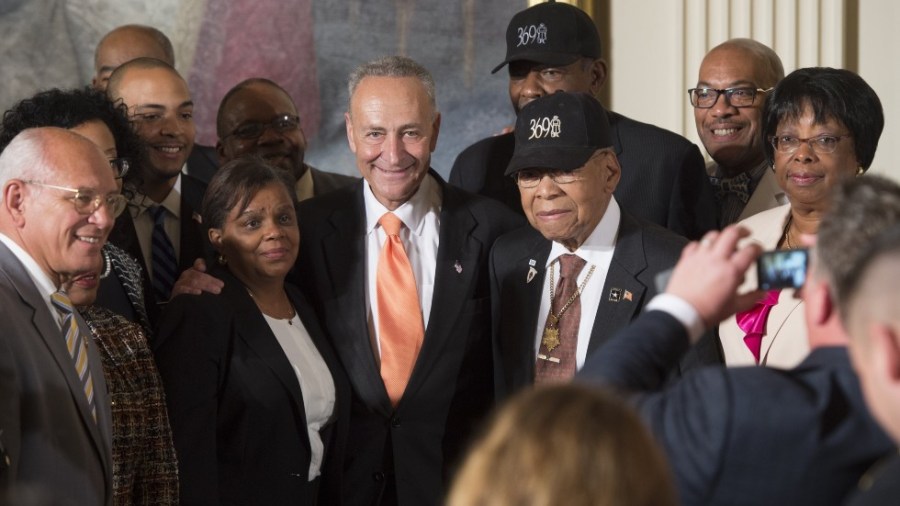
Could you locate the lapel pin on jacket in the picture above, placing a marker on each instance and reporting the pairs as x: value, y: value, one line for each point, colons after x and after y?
x: 458, y: 267
x: 532, y: 272
x: 615, y: 294
x: 627, y: 296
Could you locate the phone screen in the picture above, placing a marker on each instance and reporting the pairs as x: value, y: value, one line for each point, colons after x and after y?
x: 782, y: 269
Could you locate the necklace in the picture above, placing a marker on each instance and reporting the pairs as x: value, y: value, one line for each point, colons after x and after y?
x: 272, y: 314
x: 786, y: 234
x: 550, y: 338
x: 107, y: 264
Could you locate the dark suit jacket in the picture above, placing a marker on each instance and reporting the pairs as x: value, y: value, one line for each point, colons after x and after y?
x: 745, y: 435
x: 194, y: 242
x: 642, y: 251
x: 235, y: 405
x: 49, y: 434
x: 415, y: 444
x: 663, y: 176
x: 881, y: 485
x: 324, y: 182
x: 203, y: 162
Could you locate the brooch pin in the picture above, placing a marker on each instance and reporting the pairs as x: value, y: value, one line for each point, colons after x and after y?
x: 458, y: 267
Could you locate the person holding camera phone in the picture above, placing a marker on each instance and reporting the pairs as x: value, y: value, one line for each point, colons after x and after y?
x: 821, y: 127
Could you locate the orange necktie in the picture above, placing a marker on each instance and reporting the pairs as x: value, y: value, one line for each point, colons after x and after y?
x: 400, y: 326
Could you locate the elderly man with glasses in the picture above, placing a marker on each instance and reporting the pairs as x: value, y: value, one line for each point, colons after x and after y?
x: 258, y: 117
x: 586, y: 267
x: 734, y: 78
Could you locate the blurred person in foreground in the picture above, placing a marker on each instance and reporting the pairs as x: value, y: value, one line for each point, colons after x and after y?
x: 821, y: 127
x: 564, y: 444
x: 144, y: 467
x: 752, y: 435
x: 258, y: 400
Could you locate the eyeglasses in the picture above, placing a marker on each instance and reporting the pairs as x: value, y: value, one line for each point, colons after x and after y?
x: 120, y: 166
x: 252, y: 131
x: 822, y: 144
x: 87, y: 202
x: 705, y: 98
x: 529, y: 178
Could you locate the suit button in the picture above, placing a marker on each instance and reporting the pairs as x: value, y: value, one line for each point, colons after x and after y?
x: 378, y: 477
x: 395, y: 422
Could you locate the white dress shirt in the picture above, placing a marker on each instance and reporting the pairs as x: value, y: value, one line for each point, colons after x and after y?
x: 143, y: 222
x: 316, y: 383
x: 597, y: 251
x: 420, y: 234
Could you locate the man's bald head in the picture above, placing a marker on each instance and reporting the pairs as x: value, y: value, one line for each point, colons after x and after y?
x: 115, y: 79
x: 765, y: 59
x: 127, y: 43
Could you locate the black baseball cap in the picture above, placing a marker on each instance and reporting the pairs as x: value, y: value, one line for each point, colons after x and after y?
x: 559, y: 131
x: 551, y: 33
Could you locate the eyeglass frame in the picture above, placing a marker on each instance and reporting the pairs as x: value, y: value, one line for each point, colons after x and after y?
x: 97, y: 201
x: 266, y: 126
x: 728, y: 92
x: 809, y: 142
x: 121, y: 166
x: 554, y: 174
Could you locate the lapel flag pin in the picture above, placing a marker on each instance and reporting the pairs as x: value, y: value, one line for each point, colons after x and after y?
x: 196, y: 217
x: 532, y: 272
x: 627, y: 296
x: 615, y: 294
x: 458, y: 267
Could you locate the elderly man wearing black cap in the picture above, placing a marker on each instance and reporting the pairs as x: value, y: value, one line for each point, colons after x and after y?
x: 555, y: 46
x: 585, y: 267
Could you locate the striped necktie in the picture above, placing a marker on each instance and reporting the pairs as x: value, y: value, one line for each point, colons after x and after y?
x: 163, y: 261
x: 76, y: 345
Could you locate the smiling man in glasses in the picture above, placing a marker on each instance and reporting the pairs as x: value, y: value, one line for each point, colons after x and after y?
x: 258, y: 117
x: 57, y: 207
x: 585, y: 267
x: 735, y: 77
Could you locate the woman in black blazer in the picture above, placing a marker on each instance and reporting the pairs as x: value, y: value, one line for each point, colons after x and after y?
x: 256, y: 396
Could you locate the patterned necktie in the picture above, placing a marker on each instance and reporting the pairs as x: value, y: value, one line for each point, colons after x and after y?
x: 738, y: 186
x: 164, y: 263
x: 559, y: 366
x: 400, y: 326
x: 753, y: 322
x: 76, y: 345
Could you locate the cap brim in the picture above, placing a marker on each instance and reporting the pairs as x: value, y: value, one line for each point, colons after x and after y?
x: 556, y: 158
x: 539, y: 57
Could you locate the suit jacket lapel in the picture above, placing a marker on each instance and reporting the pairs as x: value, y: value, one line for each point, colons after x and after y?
x: 629, y: 259
x: 518, y: 341
x: 458, y: 264
x: 344, y: 251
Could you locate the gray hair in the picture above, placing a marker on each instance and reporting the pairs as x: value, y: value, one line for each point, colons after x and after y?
x: 26, y: 156
x: 765, y: 56
x: 393, y: 66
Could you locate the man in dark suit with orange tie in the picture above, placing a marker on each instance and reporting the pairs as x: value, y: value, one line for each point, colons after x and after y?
x: 547, y: 319
x: 396, y: 267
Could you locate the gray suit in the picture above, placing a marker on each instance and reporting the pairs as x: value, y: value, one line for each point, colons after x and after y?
x: 53, y: 443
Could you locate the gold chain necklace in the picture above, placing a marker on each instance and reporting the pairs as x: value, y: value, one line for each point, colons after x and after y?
x: 550, y: 338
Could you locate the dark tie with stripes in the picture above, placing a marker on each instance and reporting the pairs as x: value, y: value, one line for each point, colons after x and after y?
x: 164, y: 263
x: 75, y: 343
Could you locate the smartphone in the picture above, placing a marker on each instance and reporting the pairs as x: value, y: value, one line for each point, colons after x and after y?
x: 782, y: 269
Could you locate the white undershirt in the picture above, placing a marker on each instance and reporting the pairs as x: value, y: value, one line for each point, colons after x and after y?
x: 143, y: 222
x: 597, y: 250
x: 420, y: 234
x: 315, y: 379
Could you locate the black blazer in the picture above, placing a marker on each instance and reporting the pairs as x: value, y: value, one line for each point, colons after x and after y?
x: 202, y: 163
x: 745, y: 435
x: 642, y: 251
x: 235, y: 405
x: 416, y: 444
x: 194, y: 241
x: 324, y: 182
x: 663, y: 180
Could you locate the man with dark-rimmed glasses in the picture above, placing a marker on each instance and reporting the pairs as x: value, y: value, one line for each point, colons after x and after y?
x: 728, y: 100
x: 258, y: 117
x: 586, y: 266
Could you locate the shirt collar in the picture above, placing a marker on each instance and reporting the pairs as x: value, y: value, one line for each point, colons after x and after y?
x: 40, y: 278
x: 171, y: 203
x: 412, y: 212
x: 599, y: 243
x: 305, y: 185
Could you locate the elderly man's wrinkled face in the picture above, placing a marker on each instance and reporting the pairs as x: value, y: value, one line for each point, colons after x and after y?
x: 63, y: 240
x: 262, y: 120
x: 731, y: 135
x: 568, y: 213
x: 392, y: 128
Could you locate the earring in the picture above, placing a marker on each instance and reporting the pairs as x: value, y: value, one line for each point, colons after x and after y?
x: 222, y: 260
x: 860, y: 171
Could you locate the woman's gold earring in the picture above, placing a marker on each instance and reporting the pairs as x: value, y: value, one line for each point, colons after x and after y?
x: 222, y: 260
x: 860, y: 171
